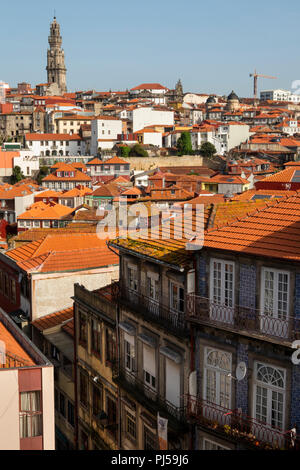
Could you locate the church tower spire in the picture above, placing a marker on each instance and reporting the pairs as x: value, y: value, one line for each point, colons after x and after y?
x: 56, y: 69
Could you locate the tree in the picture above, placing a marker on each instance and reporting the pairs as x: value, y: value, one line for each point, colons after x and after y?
x: 137, y: 151
x: 207, y: 150
x: 184, y: 144
x: 44, y: 171
x: 17, y: 175
x: 125, y: 151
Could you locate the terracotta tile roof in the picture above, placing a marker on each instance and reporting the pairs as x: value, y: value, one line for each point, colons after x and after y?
x: 149, y: 86
x: 43, y: 211
x: 114, y: 160
x: 273, y: 231
x: 68, y: 252
x: 107, y: 190
x: 78, y: 176
x: 35, y: 234
x: 72, y: 260
x: 37, y: 137
x: 14, y: 348
x: 53, y: 319
x: 94, y: 161
x: 132, y: 192
x: 260, y: 193
x: 228, y: 179
x: 10, y: 192
x: 284, y: 176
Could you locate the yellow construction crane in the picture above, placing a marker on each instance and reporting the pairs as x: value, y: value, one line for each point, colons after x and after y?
x: 255, y: 76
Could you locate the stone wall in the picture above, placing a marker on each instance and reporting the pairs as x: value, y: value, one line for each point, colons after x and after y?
x: 150, y: 163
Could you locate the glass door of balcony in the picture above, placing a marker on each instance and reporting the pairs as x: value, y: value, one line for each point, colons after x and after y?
x: 153, y: 295
x: 222, y: 291
x: 269, y: 404
x: 275, y: 303
x: 217, y: 386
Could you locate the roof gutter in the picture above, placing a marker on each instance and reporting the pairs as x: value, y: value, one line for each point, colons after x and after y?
x: 147, y: 258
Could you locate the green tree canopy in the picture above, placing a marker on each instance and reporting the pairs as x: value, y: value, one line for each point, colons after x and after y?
x: 17, y: 175
x: 184, y: 144
x: 137, y: 151
x: 125, y: 151
x: 44, y: 171
x: 207, y: 150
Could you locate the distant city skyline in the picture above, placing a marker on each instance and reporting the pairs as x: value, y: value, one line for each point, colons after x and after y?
x: 212, y: 48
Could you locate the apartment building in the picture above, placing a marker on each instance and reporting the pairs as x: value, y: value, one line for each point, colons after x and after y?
x: 54, y: 335
x: 27, y: 392
x: 244, y: 316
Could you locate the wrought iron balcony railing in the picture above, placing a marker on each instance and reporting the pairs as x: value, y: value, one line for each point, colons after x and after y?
x: 238, y: 318
x: 149, y: 395
x: 238, y: 426
x: 155, y: 310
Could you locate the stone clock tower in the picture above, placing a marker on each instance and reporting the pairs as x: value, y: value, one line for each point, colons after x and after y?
x: 56, y: 69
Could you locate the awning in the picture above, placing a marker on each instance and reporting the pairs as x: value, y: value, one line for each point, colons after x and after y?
x: 171, y: 354
x: 130, y: 329
x: 147, y: 340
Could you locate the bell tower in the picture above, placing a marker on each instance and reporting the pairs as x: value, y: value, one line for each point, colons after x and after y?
x: 56, y: 69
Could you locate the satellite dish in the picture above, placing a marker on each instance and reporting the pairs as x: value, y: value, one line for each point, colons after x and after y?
x: 241, y: 370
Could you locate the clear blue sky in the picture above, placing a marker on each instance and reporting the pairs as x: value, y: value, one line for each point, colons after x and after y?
x: 211, y: 45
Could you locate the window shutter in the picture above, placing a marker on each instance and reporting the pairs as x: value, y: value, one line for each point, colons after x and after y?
x: 191, y: 281
x: 129, y: 338
x: 149, y: 360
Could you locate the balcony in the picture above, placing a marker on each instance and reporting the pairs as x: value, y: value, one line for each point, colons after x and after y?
x: 147, y: 396
x: 154, y: 310
x: 242, y: 319
x: 236, y: 426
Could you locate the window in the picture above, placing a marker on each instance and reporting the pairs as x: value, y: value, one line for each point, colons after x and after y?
x: 217, y: 384
x: 83, y: 389
x: 30, y: 414
x: 269, y: 395
x: 150, y: 440
x: 149, y: 366
x: 62, y: 404
x: 56, y: 401
x: 275, y: 302
x: 13, y: 293
x: 46, y: 223
x: 6, y: 285
x: 130, y: 425
x: 71, y: 419
x: 222, y: 290
x: 110, y: 346
x: 129, y: 352
x: 152, y: 288
x: 132, y: 278
x: 176, y: 297
x: 97, y: 400
x: 96, y: 338
x: 211, y: 445
x: 112, y: 417
x: 82, y: 329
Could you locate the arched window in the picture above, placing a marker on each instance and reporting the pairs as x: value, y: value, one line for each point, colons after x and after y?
x: 269, y: 394
x: 217, y: 383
